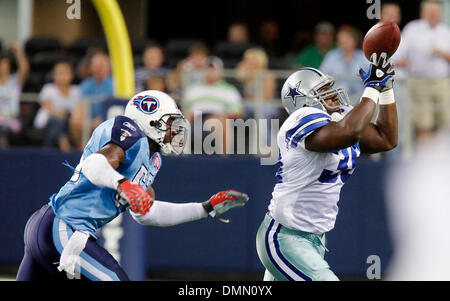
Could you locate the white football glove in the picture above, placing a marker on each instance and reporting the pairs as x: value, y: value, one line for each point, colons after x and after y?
x: 70, y: 256
x: 224, y: 201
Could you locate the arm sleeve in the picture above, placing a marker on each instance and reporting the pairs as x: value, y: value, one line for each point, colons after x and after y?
x: 98, y: 171
x: 164, y: 214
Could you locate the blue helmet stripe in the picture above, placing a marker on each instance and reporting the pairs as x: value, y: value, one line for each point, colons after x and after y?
x: 312, y: 69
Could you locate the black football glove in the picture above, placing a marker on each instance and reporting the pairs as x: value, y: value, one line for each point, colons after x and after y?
x: 380, y: 75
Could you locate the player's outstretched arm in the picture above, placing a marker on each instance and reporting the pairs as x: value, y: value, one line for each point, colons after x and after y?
x: 383, y: 135
x: 164, y: 214
x: 356, y: 126
x: 100, y: 169
x: 345, y: 133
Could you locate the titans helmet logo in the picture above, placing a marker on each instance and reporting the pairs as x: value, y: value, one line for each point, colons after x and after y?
x: 146, y: 104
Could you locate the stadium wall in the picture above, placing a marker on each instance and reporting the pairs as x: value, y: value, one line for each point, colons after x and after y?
x: 29, y: 176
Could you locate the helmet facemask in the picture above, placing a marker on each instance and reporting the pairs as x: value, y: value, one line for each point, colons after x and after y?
x: 173, y: 129
x: 315, y: 96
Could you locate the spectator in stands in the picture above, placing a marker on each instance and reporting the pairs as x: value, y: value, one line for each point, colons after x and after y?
x: 153, y: 59
x: 189, y: 70
x: 301, y: 39
x: 238, y: 33
x: 96, y: 88
x: 156, y: 82
x: 346, y: 60
x: 58, y: 99
x: 312, y: 55
x: 390, y: 12
x: 425, y: 52
x: 269, y: 34
x: 258, y: 83
x: 83, y: 69
x: 258, y: 88
x: 10, y: 89
x: 214, y: 98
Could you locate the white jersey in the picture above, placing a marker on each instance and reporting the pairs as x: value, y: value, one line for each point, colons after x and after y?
x: 308, y: 183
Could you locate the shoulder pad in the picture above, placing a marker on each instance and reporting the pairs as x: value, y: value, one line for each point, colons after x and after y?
x: 125, y: 132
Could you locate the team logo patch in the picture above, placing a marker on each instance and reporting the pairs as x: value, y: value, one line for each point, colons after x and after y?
x: 146, y: 104
x: 124, y: 134
x: 156, y: 162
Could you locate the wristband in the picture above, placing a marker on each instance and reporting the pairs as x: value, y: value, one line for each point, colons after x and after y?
x: 386, y: 97
x: 207, y: 206
x: 371, y: 93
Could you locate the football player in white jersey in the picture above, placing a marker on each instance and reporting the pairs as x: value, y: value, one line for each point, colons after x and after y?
x: 319, y: 145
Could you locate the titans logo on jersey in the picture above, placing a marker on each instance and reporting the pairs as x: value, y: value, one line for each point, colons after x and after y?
x: 85, y: 206
x: 308, y: 184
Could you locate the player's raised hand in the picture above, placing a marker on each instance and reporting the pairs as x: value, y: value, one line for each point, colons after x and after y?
x: 380, y: 73
x: 135, y: 195
x: 224, y: 201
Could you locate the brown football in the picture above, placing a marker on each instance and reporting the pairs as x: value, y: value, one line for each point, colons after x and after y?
x: 382, y: 37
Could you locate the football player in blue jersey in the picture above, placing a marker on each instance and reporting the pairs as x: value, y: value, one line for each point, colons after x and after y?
x: 319, y: 145
x: 115, y: 173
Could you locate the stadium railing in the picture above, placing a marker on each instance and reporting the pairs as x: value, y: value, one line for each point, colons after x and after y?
x: 256, y: 105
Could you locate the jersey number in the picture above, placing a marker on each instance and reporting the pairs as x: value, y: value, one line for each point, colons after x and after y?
x: 279, y: 174
x: 343, y: 171
x: 141, y: 176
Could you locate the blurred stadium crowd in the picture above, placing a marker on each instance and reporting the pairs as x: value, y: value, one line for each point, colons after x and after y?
x: 44, y: 84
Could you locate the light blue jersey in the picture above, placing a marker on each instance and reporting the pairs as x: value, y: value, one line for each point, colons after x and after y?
x: 87, y: 207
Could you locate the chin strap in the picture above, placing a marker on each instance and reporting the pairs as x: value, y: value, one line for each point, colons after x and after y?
x: 165, y: 149
x: 336, y: 116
